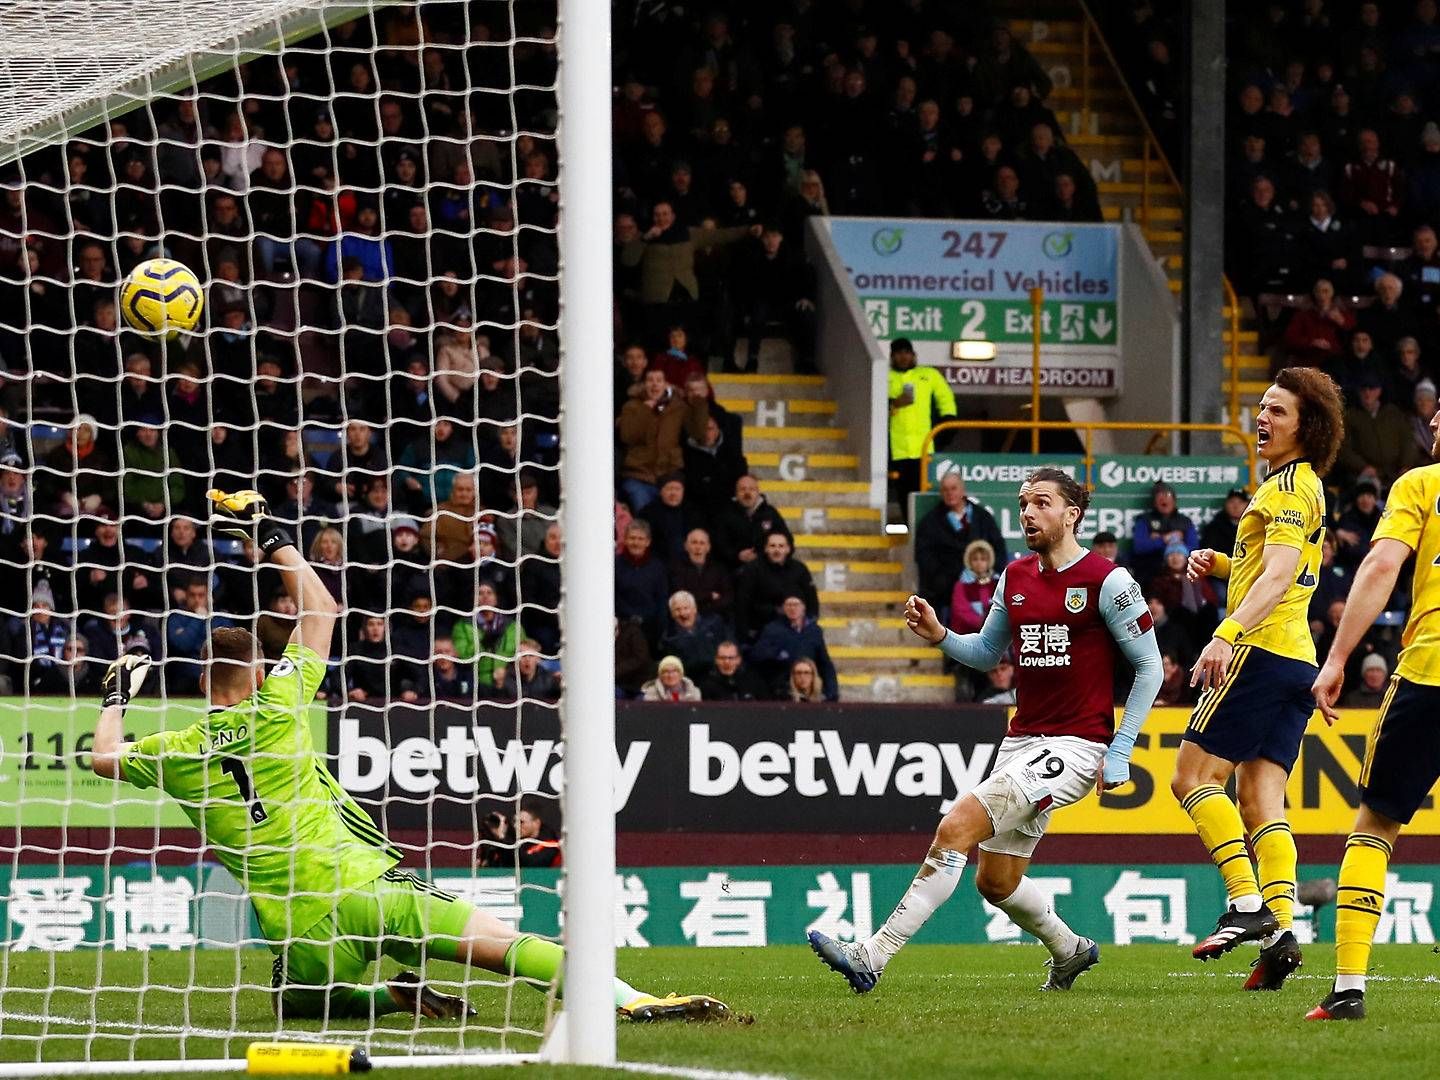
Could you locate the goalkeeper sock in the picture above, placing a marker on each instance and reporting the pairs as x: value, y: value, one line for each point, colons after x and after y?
x: 543, y: 962
x: 363, y: 1002
x: 1359, y: 901
x: 1029, y: 909
x: 1223, y: 834
x: 938, y: 876
x: 1275, y: 858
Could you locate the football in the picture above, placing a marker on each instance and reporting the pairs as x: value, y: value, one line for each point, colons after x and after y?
x: 161, y: 298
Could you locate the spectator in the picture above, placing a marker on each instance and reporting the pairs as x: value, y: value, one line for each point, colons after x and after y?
x: 1170, y: 635
x: 327, y: 556
x: 1424, y: 404
x: 641, y: 590
x: 1406, y: 373
x: 151, y: 487
x: 489, y: 567
x: 535, y: 518
x: 703, y: 578
x: 1357, y: 524
x: 451, y: 530
x: 1072, y: 202
x: 450, y: 679
x: 1308, y: 171
x: 742, y: 527
x: 1315, y: 335
x: 1161, y: 525
x: 630, y: 376
x: 713, y: 463
x: 970, y: 599
x: 793, y: 635
x: 540, y: 590
x: 1175, y: 688
x: 945, y: 534
x: 412, y: 649
x: 765, y: 583
x: 48, y: 635
x: 772, y: 287
x: 490, y: 637
x: 533, y: 681
x: 1331, y: 247
x: 1374, y: 679
x: 78, y: 477
x: 804, y: 683
x: 677, y: 362
x: 1194, y: 603
x: 1361, y: 361
x: 368, y: 663
x: 81, y: 675
x: 185, y: 556
x: 303, y: 510
x: 537, y: 844
x: 999, y: 684
x: 731, y: 679
x: 116, y: 630
x: 427, y: 468
x: 1220, y: 531
x: 1044, y: 161
x: 356, y: 464
x: 1372, y: 189
x: 1378, y: 444
x: 670, y: 518
x: 1420, y: 272
x: 1106, y: 545
x: 1004, y: 199
x: 1390, y: 317
x: 187, y: 632
x: 917, y: 396
x: 670, y: 683
x: 1264, y: 253
x: 1333, y: 583
x: 651, y: 428
x: 691, y: 636
x: 632, y: 658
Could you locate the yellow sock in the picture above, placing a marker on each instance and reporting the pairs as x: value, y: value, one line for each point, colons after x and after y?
x: 1223, y: 834
x: 1275, y: 858
x: 1359, y: 902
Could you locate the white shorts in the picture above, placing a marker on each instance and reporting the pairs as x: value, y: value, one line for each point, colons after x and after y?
x: 1045, y: 772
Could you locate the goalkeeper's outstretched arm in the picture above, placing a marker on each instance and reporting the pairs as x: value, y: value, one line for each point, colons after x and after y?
x: 246, y: 515
x: 123, y: 679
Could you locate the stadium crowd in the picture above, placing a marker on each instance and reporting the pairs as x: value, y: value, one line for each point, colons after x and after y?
x: 376, y: 227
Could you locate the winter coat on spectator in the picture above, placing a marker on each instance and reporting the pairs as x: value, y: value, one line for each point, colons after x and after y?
x: 110, y: 639
x: 1219, y: 533
x: 367, y: 668
x: 1387, y: 325
x: 540, y: 590
x: 1382, y: 440
x: 711, y: 472
x: 1380, y: 182
x: 651, y: 436
x: 1323, y: 243
x: 940, y: 542
x: 667, y: 263
x: 149, y: 478
x: 1183, y: 597
x: 450, y: 533
x: 763, y: 586
x: 669, y: 525
x: 632, y: 659
x: 1148, y: 540
x: 970, y: 602
x: 641, y: 592
x: 695, y: 647
x: 780, y: 644
x: 735, y: 529
x: 710, y: 584
x: 490, y: 638
x: 83, y: 473
x: 1314, y: 339
x: 744, y: 685
x: 687, y: 691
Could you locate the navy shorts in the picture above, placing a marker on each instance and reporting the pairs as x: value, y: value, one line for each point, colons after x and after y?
x: 1402, y: 755
x: 1260, y: 711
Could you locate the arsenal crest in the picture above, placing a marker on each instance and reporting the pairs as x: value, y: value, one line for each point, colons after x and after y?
x: 1074, y: 600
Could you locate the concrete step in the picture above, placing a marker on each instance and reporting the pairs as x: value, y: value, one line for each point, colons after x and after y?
x: 778, y: 411
x: 1157, y: 213
x: 794, y: 440
x: 765, y: 387
x: 863, y: 603
x: 1105, y: 93
x: 833, y: 493
x: 1030, y: 31
x: 840, y: 547
x: 1102, y: 122
x: 896, y: 654
x: 887, y: 630
x: 772, y: 465
x: 840, y: 575
x: 821, y: 519
x: 1163, y: 194
x: 916, y: 689
x: 1127, y: 145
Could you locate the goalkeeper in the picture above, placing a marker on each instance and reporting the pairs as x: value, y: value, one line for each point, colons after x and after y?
x: 327, y: 888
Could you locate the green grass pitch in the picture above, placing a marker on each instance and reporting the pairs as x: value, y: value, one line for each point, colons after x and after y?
x: 1147, y: 1010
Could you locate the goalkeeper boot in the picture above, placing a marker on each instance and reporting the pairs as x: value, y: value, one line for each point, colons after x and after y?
x: 1340, y: 1005
x: 1275, y: 964
x: 411, y: 995
x: 1063, y: 973
x: 846, y: 958
x: 647, y: 1009
x: 1234, y: 928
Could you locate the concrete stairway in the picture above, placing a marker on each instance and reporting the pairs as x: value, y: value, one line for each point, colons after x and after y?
x: 796, y: 448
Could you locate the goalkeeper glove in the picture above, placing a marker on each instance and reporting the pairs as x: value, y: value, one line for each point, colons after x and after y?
x: 124, y: 677
x: 246, y: 516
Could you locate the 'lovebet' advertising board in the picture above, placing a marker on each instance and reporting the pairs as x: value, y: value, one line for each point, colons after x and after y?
x: 940, y: 282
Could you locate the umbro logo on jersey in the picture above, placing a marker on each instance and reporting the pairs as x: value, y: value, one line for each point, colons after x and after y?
x: 1017, y: 599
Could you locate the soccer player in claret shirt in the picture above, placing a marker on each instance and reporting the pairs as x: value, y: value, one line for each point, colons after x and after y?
x: 1065, y: 613
x: 1402, y: 755
x: 324, y: 881
x: 1256, y: 673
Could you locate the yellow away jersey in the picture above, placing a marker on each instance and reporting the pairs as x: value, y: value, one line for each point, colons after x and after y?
x: 1288, y: 510
x: 1412, y: 516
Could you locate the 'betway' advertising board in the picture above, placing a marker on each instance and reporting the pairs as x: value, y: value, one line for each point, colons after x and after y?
x: 761, y: 766
x: 941, y: 282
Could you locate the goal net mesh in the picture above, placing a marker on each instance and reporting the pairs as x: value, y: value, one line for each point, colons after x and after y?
x: 367, y: 193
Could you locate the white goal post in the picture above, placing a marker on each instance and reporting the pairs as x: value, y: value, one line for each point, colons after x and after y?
x: 71, y: 73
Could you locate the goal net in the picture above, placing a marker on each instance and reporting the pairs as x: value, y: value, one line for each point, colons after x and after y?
x: 369, y: 193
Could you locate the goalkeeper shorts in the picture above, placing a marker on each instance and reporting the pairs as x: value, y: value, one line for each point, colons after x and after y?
x: 397, y: 915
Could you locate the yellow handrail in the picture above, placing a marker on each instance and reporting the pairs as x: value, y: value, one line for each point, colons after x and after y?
x: 1152, y: 147
x: 927, y: 448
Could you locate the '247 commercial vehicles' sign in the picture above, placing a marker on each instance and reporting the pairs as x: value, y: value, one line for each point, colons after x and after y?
x: 939, y: 282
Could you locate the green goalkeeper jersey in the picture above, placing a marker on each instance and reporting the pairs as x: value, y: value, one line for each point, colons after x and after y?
x: 263, y: 800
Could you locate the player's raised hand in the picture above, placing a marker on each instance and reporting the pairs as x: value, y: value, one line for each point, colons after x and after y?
x: 237, y: 514
x: 124, y: 677
x: 1210, y: 670
x: 923, y: 621
x: 1201, y: 562
x: 1326, y: 690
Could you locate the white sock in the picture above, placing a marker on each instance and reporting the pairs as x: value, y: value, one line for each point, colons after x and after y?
x: 1271, y: 939
x: 1246, y: 903
x: 1350, y: 982
x: 938, y: 876
x: 1032, y: 912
